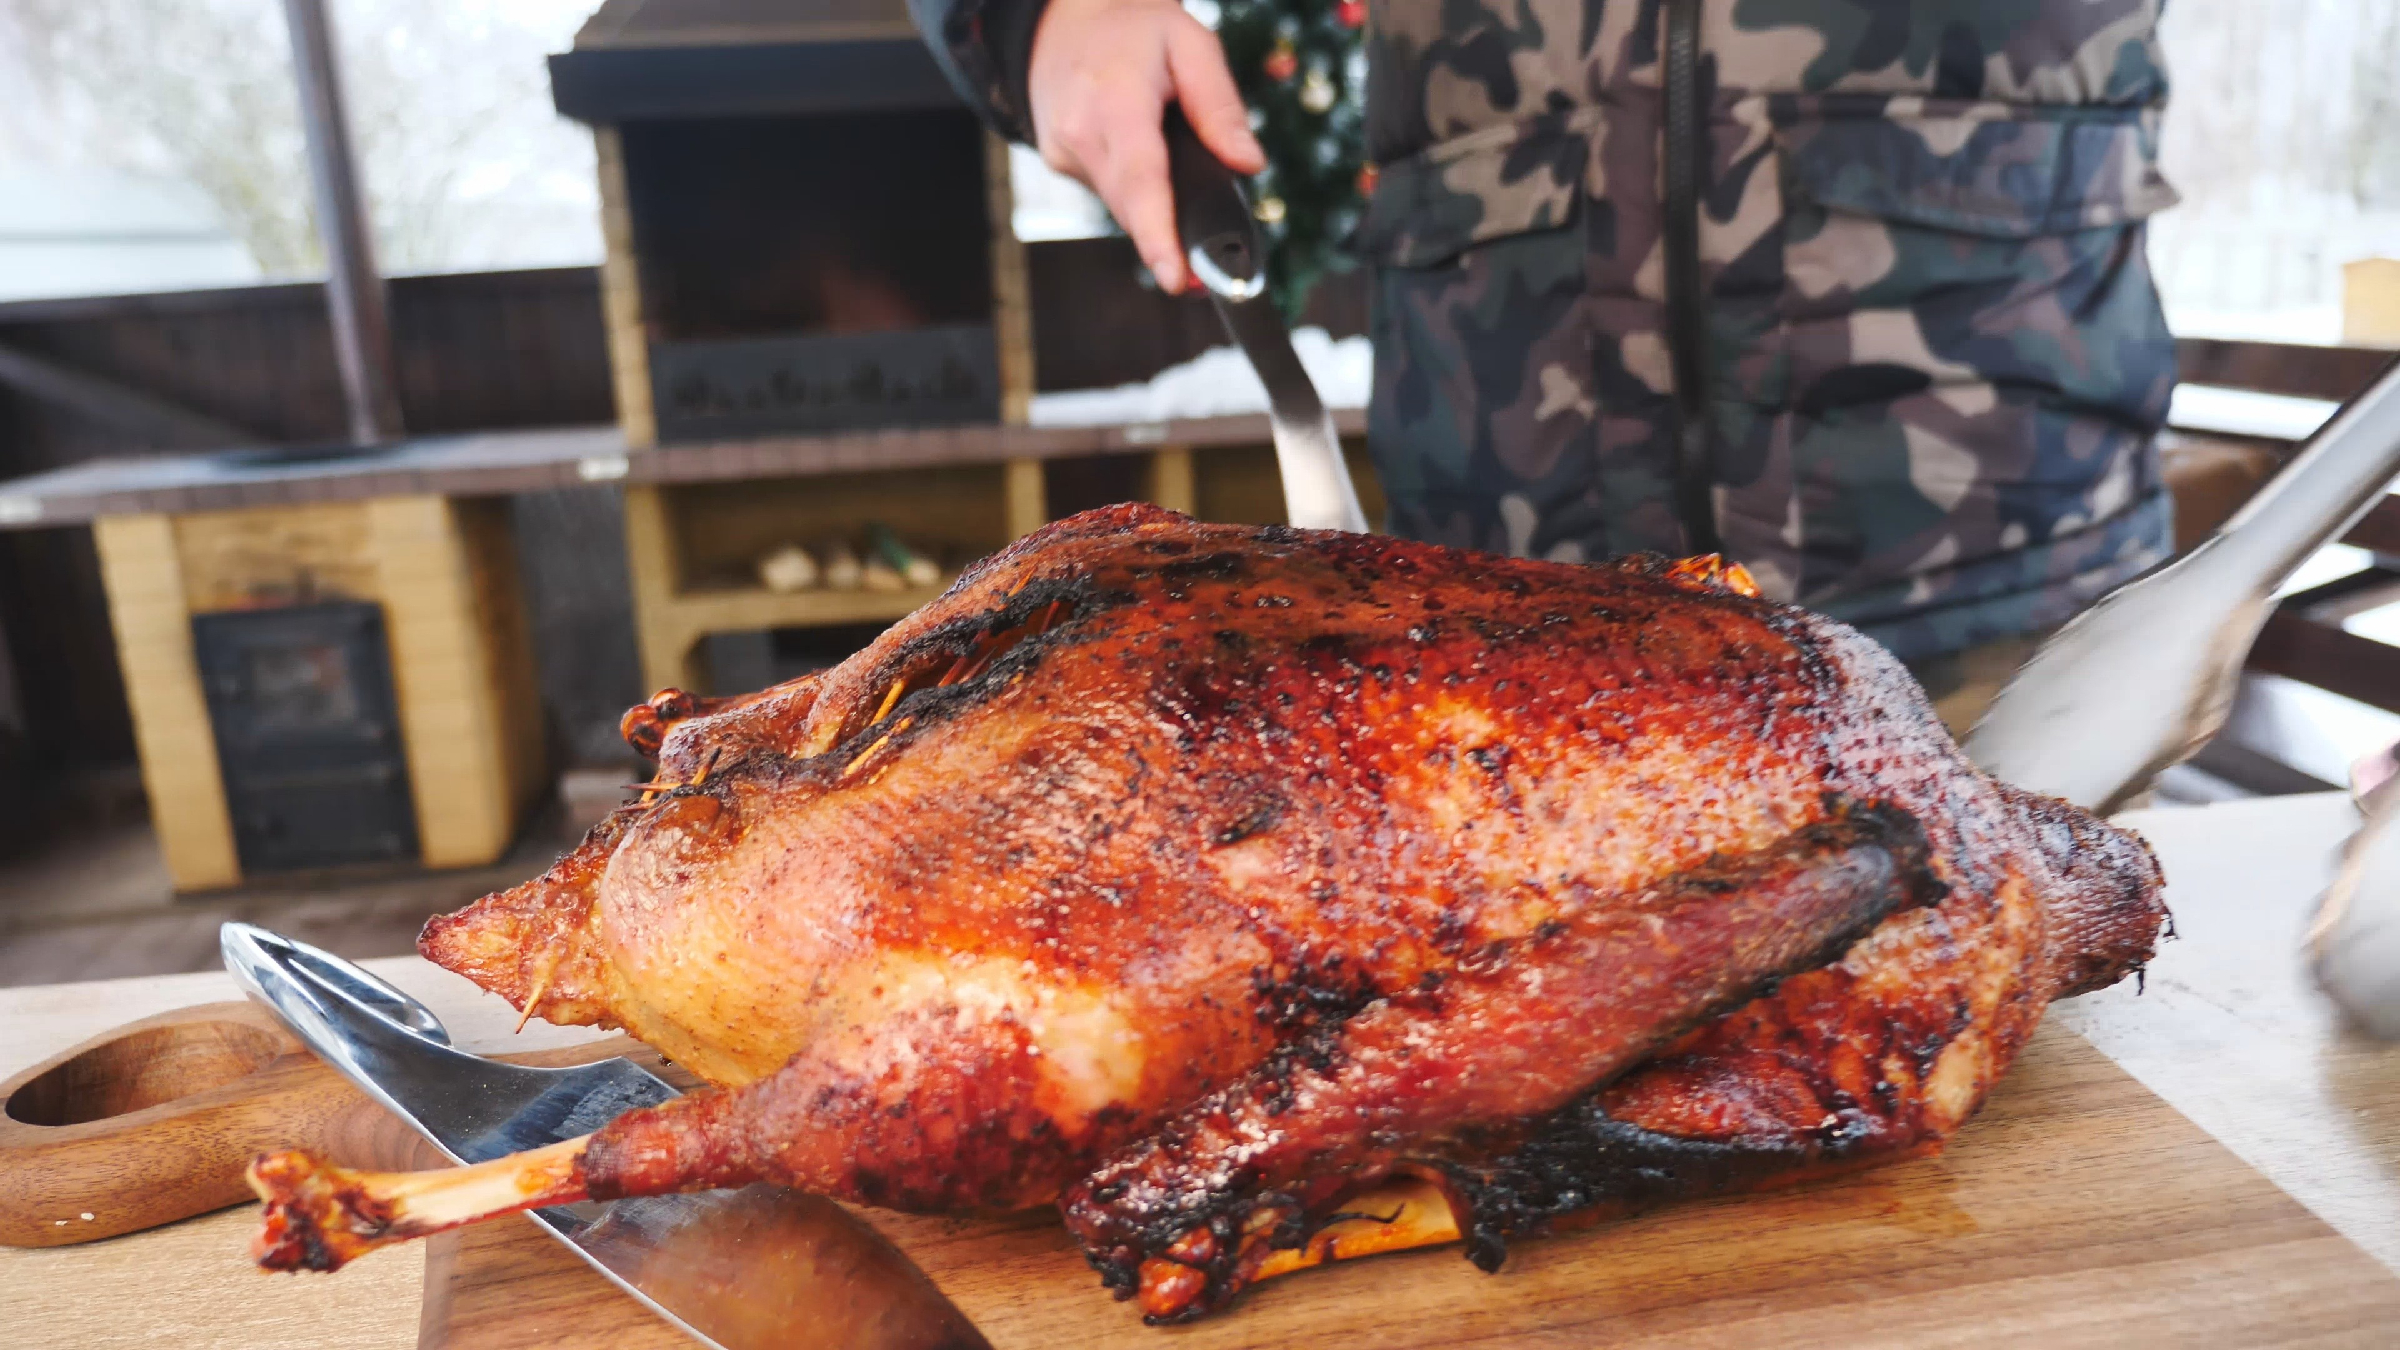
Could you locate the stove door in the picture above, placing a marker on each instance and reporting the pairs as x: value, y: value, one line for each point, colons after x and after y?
x: 308, y: 735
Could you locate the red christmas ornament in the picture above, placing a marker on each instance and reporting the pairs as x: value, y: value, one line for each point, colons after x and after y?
x: 1282, y: 63
x: 1367, y: 174
x: 1350, y: 13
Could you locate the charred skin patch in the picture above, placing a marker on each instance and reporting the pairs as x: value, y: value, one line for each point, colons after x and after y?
x: 1311, y: 993
x: 1583, y: 1165
x: 1255, y: 816
x: 949, y: 670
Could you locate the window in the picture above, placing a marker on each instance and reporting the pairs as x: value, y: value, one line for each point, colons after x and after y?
x: 156, y: 144
x: 2283, y: 134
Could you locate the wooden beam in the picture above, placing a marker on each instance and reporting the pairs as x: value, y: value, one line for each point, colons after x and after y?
x: 154, y: 422
x: 453, y: 640
x: 2291, y: 368
x: 2379, y: 530
x: 667, y: 645
x: 2326, y: 655
x: 142, y: 565
x: 621, y: 296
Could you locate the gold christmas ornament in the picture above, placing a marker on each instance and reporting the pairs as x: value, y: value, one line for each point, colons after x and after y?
x: 1269, y: 210
x: 1316, y: 92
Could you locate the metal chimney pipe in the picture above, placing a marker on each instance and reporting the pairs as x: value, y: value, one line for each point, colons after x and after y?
x: 362, y: 331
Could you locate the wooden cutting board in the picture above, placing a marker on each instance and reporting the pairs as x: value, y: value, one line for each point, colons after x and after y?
x: 2077, y: 1209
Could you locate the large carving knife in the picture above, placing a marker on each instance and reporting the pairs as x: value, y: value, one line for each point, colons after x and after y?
x: 739, y: 1270
x: 1220, y: 241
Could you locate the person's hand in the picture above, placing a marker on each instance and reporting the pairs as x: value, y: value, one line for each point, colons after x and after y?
x: 1099, y: 81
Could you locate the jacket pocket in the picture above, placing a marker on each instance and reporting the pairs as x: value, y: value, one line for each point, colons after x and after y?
x: 1518, y: 178
x: 1965, y: 357
x: 1965, y: 242
x: 1993, y: 170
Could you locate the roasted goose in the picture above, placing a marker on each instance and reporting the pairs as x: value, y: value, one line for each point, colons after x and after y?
x: 1262, y: 897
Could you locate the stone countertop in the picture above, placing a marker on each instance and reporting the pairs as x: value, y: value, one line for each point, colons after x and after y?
x: 500, y: 462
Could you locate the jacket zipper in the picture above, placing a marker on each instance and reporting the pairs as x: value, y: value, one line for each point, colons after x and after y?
x: 1685, y: 149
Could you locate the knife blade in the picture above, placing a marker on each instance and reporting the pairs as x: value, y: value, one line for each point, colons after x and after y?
x: 1221, y: 243
x: 736, y: 1269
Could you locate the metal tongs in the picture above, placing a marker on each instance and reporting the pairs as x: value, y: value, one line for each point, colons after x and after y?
x: 1220, y: 241
x: 2138, y: 682
x: 2354, y: 942
x: 2144, y: 678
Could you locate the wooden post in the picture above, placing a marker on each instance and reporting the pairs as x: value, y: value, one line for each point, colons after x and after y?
x: 463, y: 711
x: 668, y: 646
x: 621, y: 297
x: 362, y: 332
x: 1012, y: 293
x: 1172, y: 483
x: 148, y: 420
x: 143, y: 571
x: 2371, y: 302
x: 1026, y: 498
x: 1012, y: 334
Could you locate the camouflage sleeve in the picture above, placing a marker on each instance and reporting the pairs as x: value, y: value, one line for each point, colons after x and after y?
x: 985, y: 46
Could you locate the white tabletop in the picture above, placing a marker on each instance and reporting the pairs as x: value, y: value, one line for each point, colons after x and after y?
x: 2231, y: 1032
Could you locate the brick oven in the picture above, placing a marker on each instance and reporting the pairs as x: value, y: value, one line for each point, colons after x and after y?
x: 806, y: 230
x: 307, y: 731
x: 821, y: 334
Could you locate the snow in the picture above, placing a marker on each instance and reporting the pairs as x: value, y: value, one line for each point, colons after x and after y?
x: 1216, y: 383
x: 2246, y: 412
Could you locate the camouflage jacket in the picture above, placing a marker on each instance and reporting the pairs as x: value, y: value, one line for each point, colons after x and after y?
x: 1853, y: 290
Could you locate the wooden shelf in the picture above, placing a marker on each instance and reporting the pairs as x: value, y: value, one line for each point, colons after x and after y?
x: 691, y: 547
x: 691, y: 544
x: 734, y: 609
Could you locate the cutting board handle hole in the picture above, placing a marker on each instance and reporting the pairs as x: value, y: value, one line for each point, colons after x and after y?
x: 147, y: 1068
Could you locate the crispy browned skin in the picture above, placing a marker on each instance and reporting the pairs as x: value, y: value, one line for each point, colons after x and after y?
x: 1194, y: 876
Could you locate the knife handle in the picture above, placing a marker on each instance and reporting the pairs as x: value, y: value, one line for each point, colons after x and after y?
x: 1212, y: 215
x: 154, y: 1122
